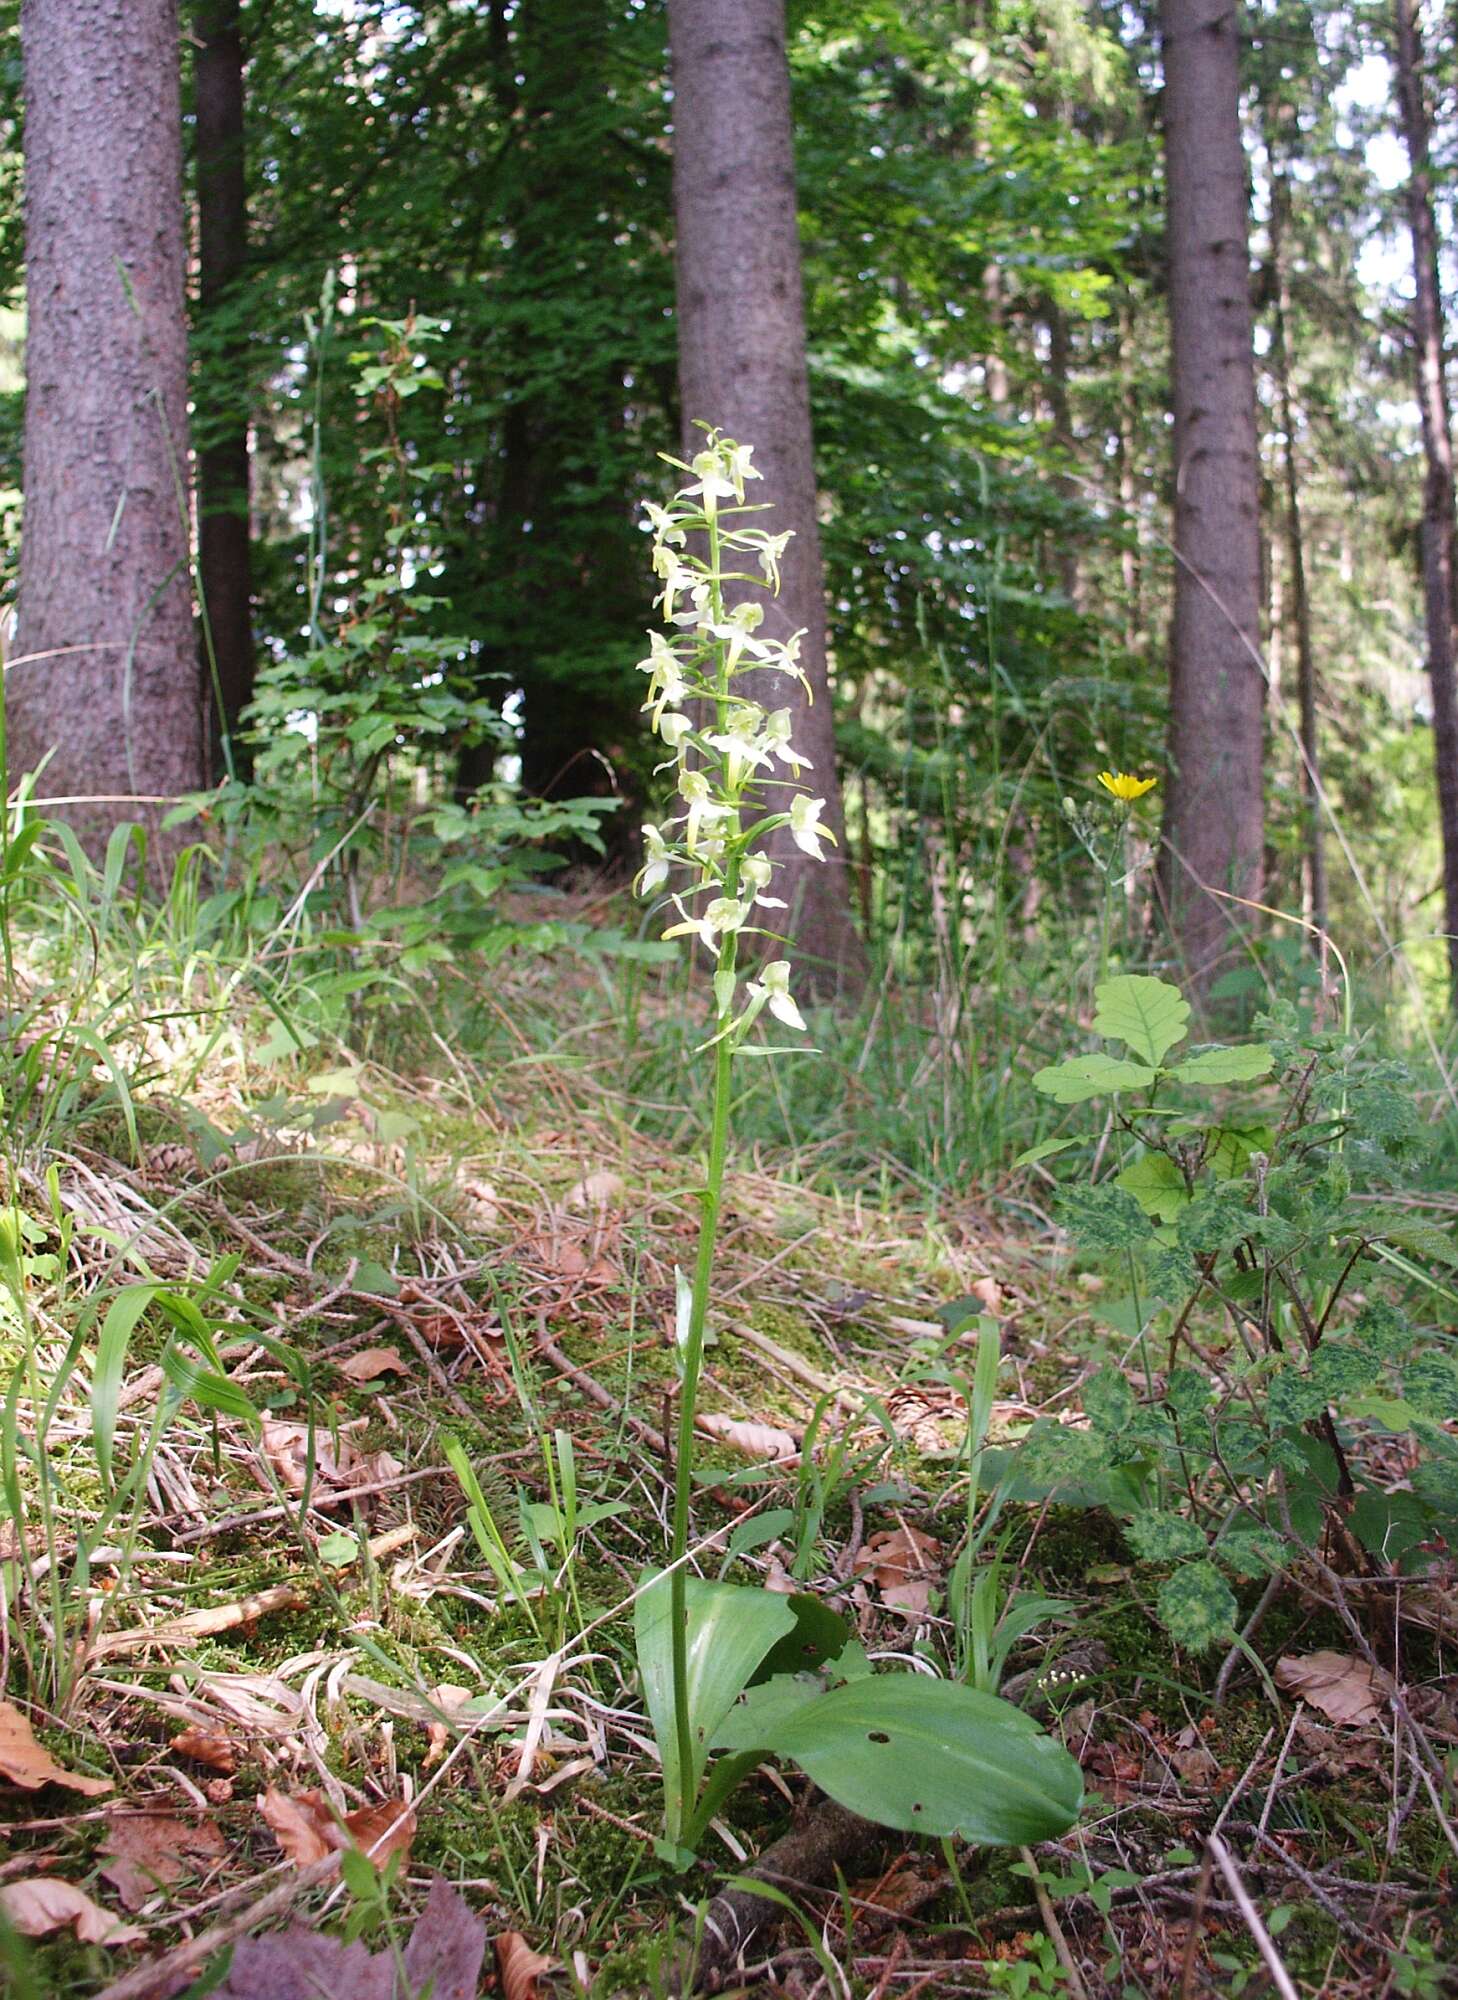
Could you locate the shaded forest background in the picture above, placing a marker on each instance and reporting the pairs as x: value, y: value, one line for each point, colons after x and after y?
x: 485, y: 191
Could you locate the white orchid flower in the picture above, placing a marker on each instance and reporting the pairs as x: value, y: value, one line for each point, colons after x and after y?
x: 777, y: 726
x: 666, y: 684
x: 678, y: 577
x: 772, y: 989
x: 740, y: 746
x: 757, y: 871
x: 725, y: 913
x: 805, y: 828
x: 665, y: 527
x: 673, y: 728
x: 705, y: 812
x: 654, y: 872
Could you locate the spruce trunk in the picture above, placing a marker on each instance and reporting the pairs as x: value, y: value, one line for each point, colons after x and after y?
x: 1214, y: 810
x: 741, y: 332
x: 1438, y: 497
x: 106, y: 681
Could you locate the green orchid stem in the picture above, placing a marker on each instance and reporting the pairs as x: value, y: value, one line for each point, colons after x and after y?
x: 693, y: 1352
x: 693, y: 1363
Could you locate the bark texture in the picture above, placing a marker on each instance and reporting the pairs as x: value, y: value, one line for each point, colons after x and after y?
x: 223, y: 473
x: 741, y: 330
x: 1214, y: 816
x: 106, y: 673
x: 1438, y: 498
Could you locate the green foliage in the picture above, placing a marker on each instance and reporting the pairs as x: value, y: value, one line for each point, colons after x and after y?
x: 1265, y: 1218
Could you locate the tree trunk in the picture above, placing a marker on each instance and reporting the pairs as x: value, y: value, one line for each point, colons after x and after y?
x: 1313, y: 843
x: 1214, y: 825
x: 1437, y: 525
x: 224, y: 551
x: 1060, y: 367
x: 106, y: 682
x: 741, y: 330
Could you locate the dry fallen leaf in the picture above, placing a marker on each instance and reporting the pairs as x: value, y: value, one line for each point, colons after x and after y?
x: 337, y: 1464
x: 206, y: 1746
x: 480, y: 1203
x: 145, y: 1852
x: 1343, y: 1688
x: 902, y: 1562
x: 567, y: 1259
x: 45, y: 1904
x: 307, y: 1830
x: 371, y: 1362
x: 443, y: 1957
x: 23, y: 1762
x: 755, y: 1440
x: 599, y: 1190
x: 519, y: 1968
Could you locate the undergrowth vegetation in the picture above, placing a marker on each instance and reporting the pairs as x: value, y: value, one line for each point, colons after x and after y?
x: 1076, y: 1365
x: 460, y: 1416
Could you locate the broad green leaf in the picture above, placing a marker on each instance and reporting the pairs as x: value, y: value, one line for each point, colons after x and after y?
x: 1083, y: 1077
x: 1045, y: 1151
x: 730, y: 1629
x: 763, y: 1708
x: 1226, y: 1065
x: 117, y: 1329
x: 1157, y: 1184
x: 1149, y: 1015
x: 819, y: 1635
x: 924, y: 1756
x: 1230, y: 1146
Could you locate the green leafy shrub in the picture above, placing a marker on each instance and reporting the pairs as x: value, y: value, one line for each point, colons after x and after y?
x: 1270, y: 1268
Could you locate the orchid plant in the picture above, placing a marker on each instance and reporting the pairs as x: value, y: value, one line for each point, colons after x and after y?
x: 745, y: 1671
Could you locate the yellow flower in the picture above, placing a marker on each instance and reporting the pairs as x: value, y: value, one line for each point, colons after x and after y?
x: 1125, y: 786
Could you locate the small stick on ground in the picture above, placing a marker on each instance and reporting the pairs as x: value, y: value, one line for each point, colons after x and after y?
x: 1052, y: 1926
x: 1251, y: 1916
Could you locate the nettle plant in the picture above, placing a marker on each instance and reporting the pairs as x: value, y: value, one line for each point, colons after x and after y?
x: 1265, y: 1267
x: 729, y: 1668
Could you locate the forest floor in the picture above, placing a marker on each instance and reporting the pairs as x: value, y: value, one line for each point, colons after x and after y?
x: 293, y: 1624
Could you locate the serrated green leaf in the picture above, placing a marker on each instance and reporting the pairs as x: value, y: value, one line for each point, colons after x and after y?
x: 1415, y: 1233
x: 1108, y: 1402
x: 1251, y: 1551
x: 1197, y: 1607
x: 1157, y: 1184
x: 1160, y: 1537
x: 1148, y: 1015
x: 1103, y: 1218
x: 1226, y: 1065
x: 1229, y: 1148
x: 1083, y: 1077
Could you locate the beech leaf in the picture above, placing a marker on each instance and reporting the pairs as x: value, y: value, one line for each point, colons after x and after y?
x: 26, y: 1763
x: 44, y: 1904
x: 755, y: 1440
x: 519, y: 1968
x: 1342, y: 1687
